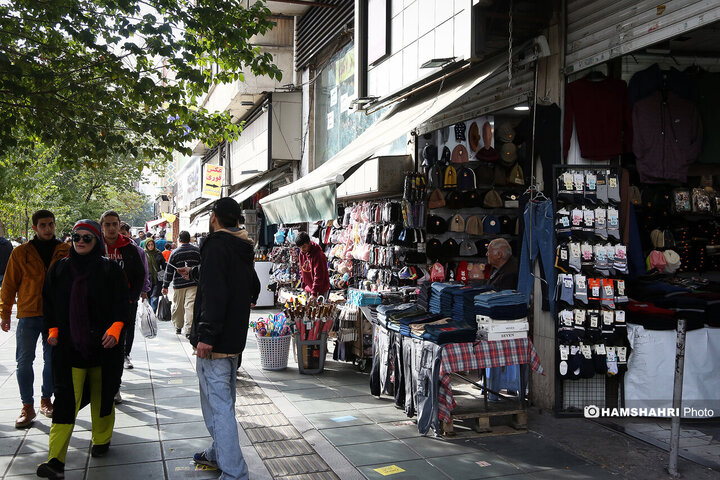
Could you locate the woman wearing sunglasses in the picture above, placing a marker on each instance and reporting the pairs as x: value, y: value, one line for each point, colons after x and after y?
x: 156, y: 264
x: 85, y: 301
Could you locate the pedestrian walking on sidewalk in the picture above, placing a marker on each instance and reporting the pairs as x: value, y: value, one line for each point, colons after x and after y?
x: 156, y: 266
x: 227, y: 284
x: 85, y: 304
x: 24, y: 278
x: 184, y: 290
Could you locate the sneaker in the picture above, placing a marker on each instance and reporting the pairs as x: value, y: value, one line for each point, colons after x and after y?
x: 118, y: 398
x: 27, y: 415
x: 201, y: 459
x: 51, y: 469
x: 128, y: 363
x: 46, y: 407
x: 100, y: 450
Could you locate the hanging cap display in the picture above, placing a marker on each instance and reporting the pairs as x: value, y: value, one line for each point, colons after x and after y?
x: 508, y: 154
x: 474, y: 137
x: 436, y: 199
x: 460, y: 154
x: 473, y: 225
x: 492, y: 200
x: 457, y: 223
x: 506, y: 133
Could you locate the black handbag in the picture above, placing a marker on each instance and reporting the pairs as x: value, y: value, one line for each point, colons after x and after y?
x: 163, y: 309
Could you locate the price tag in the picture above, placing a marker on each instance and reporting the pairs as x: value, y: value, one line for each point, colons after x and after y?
x: 607, y: 317
x: 621, y: 287
x: 611, y: 353
x: 600, y: 349
x: 596, y: 291
x: 621, y: 252
x: 580, y: 282
x: 608, y: 290
x: 622, y: 354
x: 600, y: 214
x: 568, y: 181
x: 563, y: 254
x: 613, y: 182
x: 587, y: 251
x: 586, y: 351
x: 589, y: 216
x: 579, y: 317
x: 567, y: 318
x: 579, y: 180
x: 613, y: 217
x: 594, y: 319
x: 564, y: 352
x: 575, y: 250
x: 577, y: 217
x: 565, y: 221
x: 567, y: 281
x: 591, y: 180
x: 620, y: 316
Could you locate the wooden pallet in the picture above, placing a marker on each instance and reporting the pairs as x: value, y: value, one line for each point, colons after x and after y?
x: 470, y: 418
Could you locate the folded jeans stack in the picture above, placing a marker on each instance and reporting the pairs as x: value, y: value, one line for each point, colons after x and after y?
x: 503, y: 305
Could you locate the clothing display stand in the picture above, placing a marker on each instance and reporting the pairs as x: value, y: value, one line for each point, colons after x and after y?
x: 590, y: 320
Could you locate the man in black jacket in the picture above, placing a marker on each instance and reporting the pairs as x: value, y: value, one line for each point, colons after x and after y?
x: 227, y: 285
x: 123, y: 251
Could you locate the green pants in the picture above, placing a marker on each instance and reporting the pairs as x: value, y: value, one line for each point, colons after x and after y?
x: 102, y: 427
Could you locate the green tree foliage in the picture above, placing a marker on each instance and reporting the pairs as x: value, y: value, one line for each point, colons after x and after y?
x: 40, y: 179
x: 99, y: 79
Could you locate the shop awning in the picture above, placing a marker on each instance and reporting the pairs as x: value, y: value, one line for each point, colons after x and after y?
x: 154, y: 223
x: 312, y: 197
x: 248, y: 189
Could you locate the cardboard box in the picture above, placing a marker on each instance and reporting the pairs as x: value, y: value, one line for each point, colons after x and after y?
x: 484, y: 319
x: 505, y: 327
x: 490, y: 336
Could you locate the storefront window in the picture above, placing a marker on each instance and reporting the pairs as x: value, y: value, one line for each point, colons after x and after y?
x: 335, y: 124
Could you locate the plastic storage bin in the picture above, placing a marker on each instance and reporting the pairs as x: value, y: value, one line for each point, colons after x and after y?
x: 274, y: 352
x: 311, y: 354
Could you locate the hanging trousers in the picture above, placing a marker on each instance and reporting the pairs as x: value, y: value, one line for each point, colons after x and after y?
x: 537, y: 241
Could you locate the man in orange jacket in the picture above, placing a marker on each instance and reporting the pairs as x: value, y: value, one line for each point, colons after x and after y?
x: 24, y: 277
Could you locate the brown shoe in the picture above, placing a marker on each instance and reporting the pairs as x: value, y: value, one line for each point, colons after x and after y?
x: 27, y: 415
x: 46, y: 407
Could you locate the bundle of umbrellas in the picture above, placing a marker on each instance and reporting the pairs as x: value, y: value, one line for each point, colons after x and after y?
x: 312, y: 320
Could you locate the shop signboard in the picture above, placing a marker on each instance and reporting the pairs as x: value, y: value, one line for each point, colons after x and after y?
x: 212, y: 181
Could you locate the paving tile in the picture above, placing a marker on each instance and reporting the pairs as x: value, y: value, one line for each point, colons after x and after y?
x: 325, y: 420
x: 185, y: 448
x: 272, y: 434
x: 173, y: 391
x: 9, y: 445
x: 313, y: 476
x: 387, y: 414
x: 280, y: 467
x: 378, y: 452
x: 27, y: 464
x: 429, y: 447
x: 465, y: 467
x: 69, y: 475
x: 414, y: 469
x: 132, y: 453
x: 255, y: 421
x: 129, y: 435
x: 529, y: 452
x: 401, y: 428
x: 151, y: 470
x: 257, y: 409
x: 39, y: 443
x: 356, y: 434
x: 311, y: 394
x: 369, y: 402
x: 175, y: 431
x: 590, y: 472
x: 179, y: 415
x: 318, y: 406
x: 186, y: 469
x: 283, y: 448
x: 179, y: 402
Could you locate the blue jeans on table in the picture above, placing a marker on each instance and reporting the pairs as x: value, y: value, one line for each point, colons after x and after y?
x: 26, y: 338
x: 217, y: 401
x: 538, y: 221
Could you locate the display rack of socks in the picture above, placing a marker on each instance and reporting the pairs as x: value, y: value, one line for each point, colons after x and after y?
x: 591, y: 266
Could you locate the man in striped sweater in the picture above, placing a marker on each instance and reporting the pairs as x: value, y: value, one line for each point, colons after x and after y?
x: 184, y: 291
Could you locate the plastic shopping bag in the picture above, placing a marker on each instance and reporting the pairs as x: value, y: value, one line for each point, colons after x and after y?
x: 147, y: 320
x: 163, y: 310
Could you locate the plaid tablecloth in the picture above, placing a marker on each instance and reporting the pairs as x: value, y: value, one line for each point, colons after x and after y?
x: 458, y: 357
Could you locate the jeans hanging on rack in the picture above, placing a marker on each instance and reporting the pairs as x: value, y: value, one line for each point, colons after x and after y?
x: 537, y: 240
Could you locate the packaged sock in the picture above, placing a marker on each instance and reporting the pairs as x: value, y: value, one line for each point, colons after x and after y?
x: 581, y: 288
x: 600, y: 359
x: 622, y: 359
x: 564, y: 359
x: 608, y: 324
x: 576, y: 222
x: 590, y: 188
x: 607, y: 294
x: 587, y: 369
x: 579, y: 184
x: 565, y: 187
x: 610, y: 255
x: 613, y: 188
x: 563, y: 229
x: 594, y: 286
x: 579, y: 317
x: 575, y: 362
x: 602, y: 188
x: 600, y: 223
x: 565, y: 285
x: 620, y: 295
x: 593, y: 332
x: 613, y: 223
x: 612, y: 366
x: 575, y: 261
x: 601, y: 264
x: 562, y: 258
x: 588, y: 225
x: 587, y: 260
x: 620, y: 261
x: 620, y: 325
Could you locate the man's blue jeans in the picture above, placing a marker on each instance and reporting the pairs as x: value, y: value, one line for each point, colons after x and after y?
x: 538, y: 220
x: 217, y: 400
x: 26, y: 338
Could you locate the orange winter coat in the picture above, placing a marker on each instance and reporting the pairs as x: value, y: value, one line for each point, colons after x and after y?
x: 25, y: 277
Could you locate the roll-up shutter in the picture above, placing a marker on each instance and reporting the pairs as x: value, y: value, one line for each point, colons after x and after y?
x: 319, y: 27
x: 598, y: 31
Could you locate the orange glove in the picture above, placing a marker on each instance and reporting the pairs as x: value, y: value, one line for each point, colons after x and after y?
x: 53, y: 332
x: 115, y: 330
